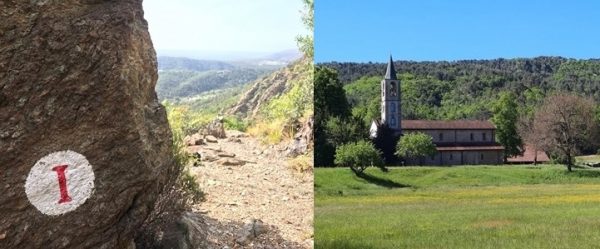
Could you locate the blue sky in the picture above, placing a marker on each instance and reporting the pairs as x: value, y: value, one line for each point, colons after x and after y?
x: 217, y: 26
x: 433, y: 30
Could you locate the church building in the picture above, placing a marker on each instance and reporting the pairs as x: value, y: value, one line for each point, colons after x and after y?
x: 457, y: 141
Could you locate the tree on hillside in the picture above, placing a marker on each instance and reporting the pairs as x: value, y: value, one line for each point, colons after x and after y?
x: 415, y: 145
x: 565, y: 123
x: 305, y: 42
x: 364, y: 98
x: 329, y: 101
x: 505, y: 118
x: 358, y: 156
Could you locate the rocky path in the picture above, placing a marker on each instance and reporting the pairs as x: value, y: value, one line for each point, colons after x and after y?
x: 253, y: 198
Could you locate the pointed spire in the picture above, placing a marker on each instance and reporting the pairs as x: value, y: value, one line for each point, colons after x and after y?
x: 390, y: 74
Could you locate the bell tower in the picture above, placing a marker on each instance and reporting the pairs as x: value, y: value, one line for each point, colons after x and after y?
x: 390, y: 99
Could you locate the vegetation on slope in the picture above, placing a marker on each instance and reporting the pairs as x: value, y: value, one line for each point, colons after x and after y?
x: 175, y: 84
x: 188, y: 64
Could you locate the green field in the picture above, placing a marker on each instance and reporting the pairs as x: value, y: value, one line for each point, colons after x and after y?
x: 458, y: 207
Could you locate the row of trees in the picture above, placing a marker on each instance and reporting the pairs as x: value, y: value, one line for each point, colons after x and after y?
x: 362, y: 154
x: 562, y: 124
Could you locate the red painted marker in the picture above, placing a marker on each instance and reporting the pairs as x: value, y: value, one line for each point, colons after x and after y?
x: 62, y: 183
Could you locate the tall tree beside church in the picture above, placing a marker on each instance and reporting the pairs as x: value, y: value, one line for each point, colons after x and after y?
x: 505, y: 118
x: 330, y: 102
x: 566, y: 123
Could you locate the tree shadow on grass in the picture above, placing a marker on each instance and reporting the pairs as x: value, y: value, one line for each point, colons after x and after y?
x: 381, y: 182
x: 585, y: 172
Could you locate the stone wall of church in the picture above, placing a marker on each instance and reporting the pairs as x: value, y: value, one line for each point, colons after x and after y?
x: 459, y: 158
x: 458, y: 136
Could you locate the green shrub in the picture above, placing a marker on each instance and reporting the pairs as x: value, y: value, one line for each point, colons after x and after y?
x: 235, y: 123
x: 186, y: 182
x: 358, y: 156
x: 301, y: 164
x: 414, y: 145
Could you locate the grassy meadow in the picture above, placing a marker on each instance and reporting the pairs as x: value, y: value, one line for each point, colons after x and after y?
x: 458, y: 207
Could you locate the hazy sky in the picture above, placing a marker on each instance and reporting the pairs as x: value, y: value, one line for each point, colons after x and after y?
x: 359, y: 30
x: 224, y: 25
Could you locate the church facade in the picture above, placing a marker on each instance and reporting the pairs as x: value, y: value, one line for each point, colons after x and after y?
x: 458, y: 142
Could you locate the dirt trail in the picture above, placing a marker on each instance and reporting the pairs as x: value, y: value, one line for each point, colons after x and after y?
x: 264, y: 188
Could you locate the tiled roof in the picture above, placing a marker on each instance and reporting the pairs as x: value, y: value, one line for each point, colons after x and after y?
x: 470, y: 148
x: 529, y: 155
x: 447, y: 125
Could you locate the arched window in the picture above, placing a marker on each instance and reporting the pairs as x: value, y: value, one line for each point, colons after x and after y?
x: 393, y: 89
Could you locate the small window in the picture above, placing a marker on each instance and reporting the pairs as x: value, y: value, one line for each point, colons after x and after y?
x: 481, y: 156
x: 451, y: 157
x: 471, y: 136
x: 484, y: 135
x: 393, y: 90
x: 441, y: 136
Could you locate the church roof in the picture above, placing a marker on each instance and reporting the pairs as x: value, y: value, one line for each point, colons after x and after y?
x: 447, y: 125
x: 390, y: 73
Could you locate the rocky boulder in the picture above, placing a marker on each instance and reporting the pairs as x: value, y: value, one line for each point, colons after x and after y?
x: 303, y: 140
x: 216, y: 128
x: 252, y: 229
x: 195, y: 139
x: 85, y: 148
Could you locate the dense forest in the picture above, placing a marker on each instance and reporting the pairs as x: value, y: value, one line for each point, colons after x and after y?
x: 464, y: 89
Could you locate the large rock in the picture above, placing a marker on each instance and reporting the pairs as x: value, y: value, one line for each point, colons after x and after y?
x: 84, y: 144
x: 251, y: 230
x: 187, y: 232
x: 303, y: 140
x: 215, y: 128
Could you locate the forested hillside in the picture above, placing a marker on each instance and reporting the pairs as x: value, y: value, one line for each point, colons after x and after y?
x: 179, y: 84
x: 465, y: 89
x: 187, y: 64
x: 180, y: 77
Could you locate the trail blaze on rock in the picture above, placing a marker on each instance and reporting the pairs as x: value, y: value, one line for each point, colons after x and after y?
x: 62, y: 183
x: 77, y: 82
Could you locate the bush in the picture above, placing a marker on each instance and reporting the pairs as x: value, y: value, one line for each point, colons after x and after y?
x: 302, y: 164
x: 235, y: 123
x: 186, y: 182
x: 358, y: 156
x: 271, y: 132
x: 415, y: 145
x: 179, y: 192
